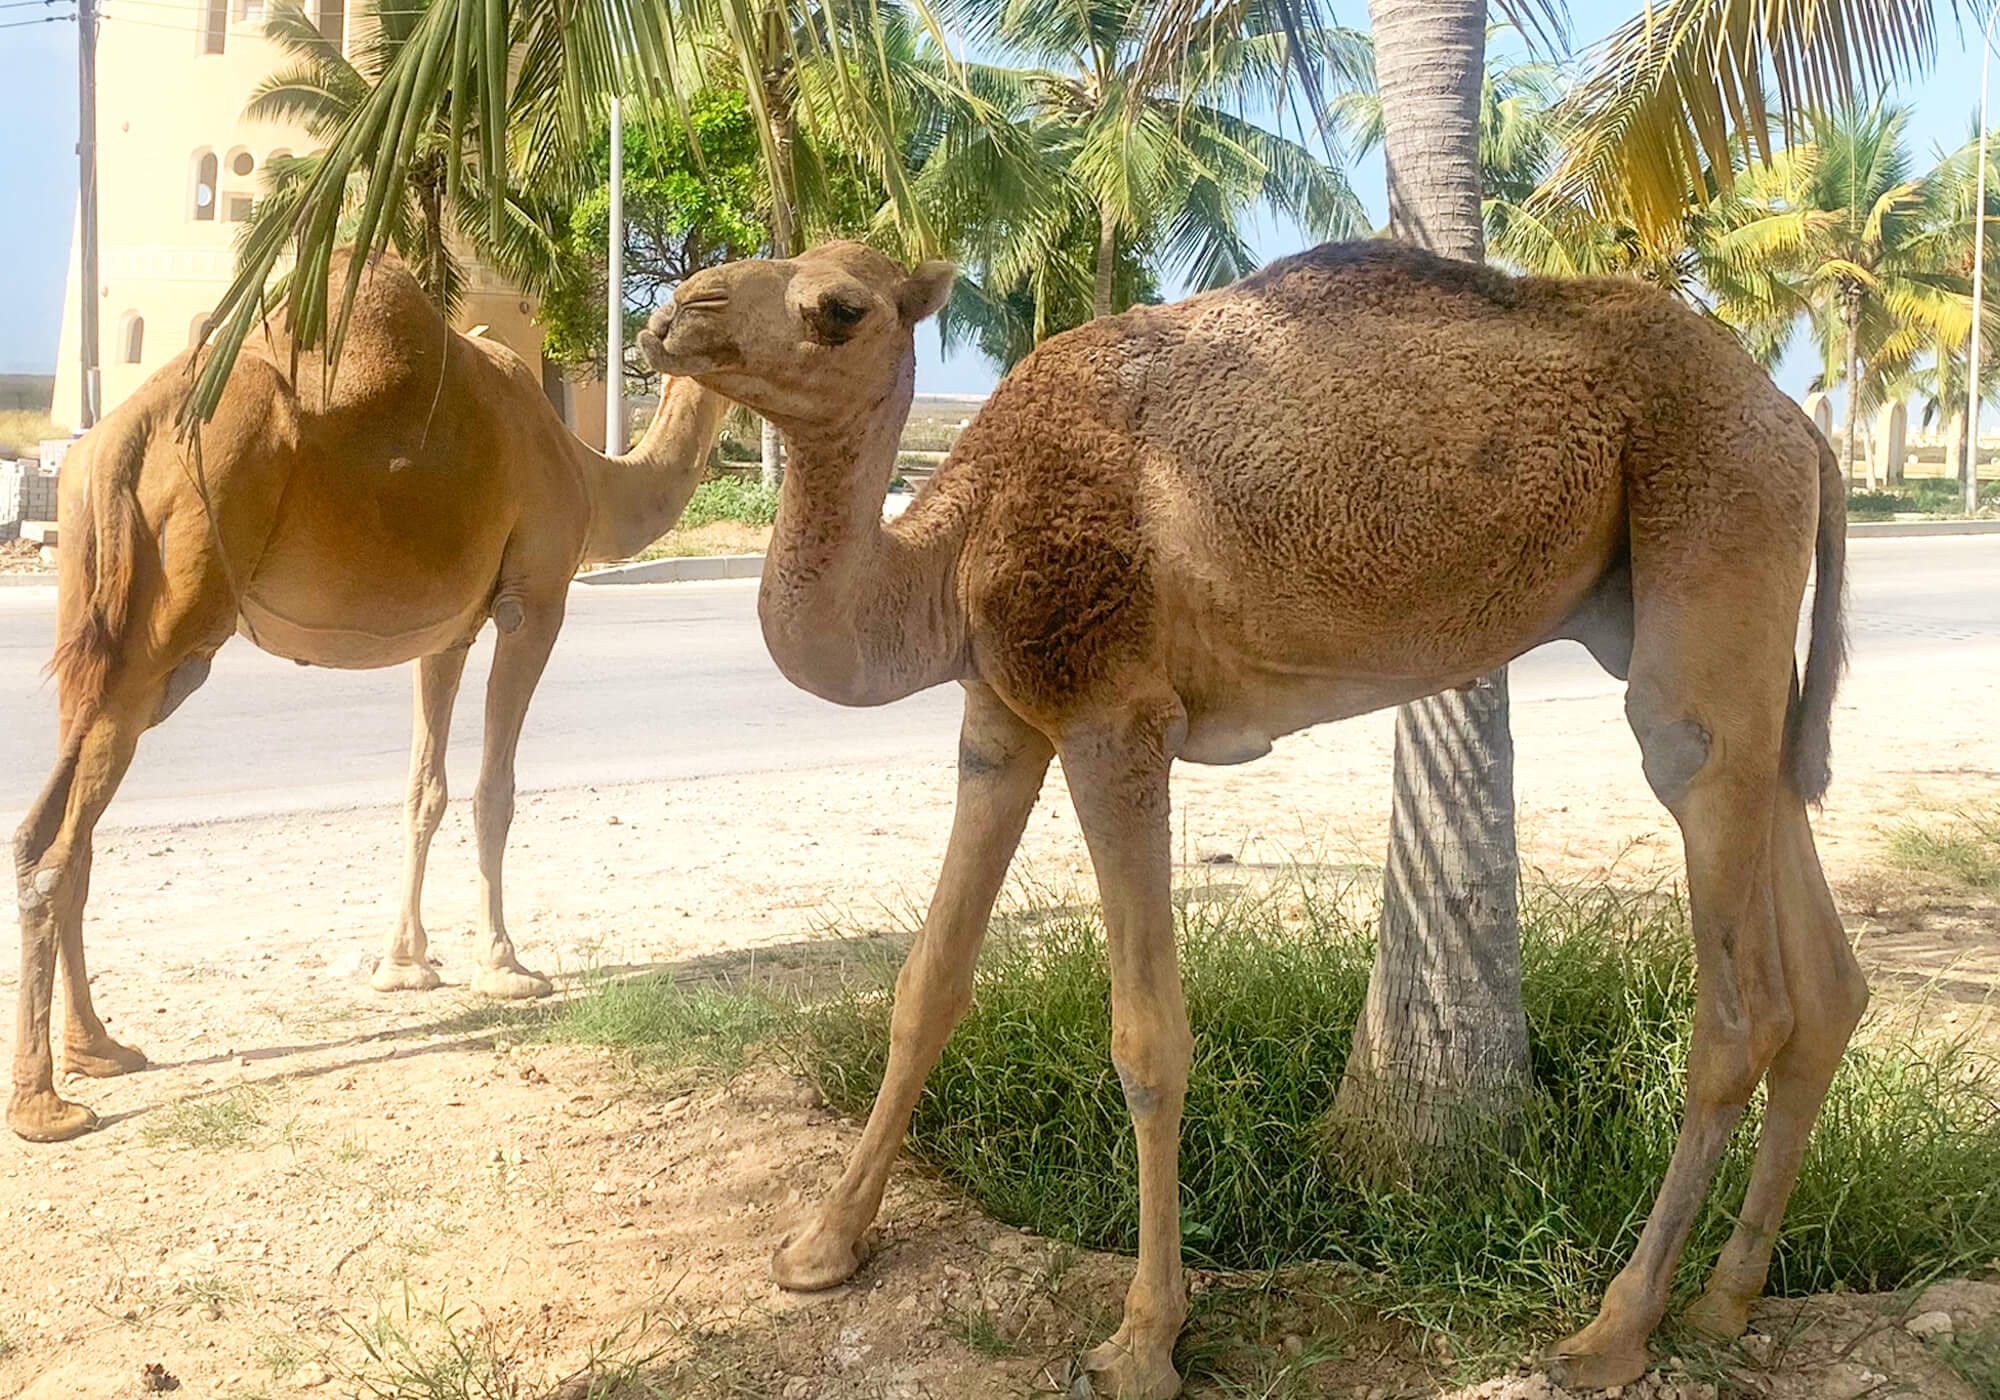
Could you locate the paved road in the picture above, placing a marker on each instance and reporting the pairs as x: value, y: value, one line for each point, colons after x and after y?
x: 667, y: 681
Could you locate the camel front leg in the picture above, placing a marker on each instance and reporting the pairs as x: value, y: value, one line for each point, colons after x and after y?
x: 405, y: 965
x: 1118, y: 780
x: 518, y: 658
x: 1001, y: 764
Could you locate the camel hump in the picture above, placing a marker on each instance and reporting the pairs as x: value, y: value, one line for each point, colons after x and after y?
x: 396, y: 346
x: 1380, y: 266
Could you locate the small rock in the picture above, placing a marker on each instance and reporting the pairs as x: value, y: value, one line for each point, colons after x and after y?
x: 1294, y: 1346
x: 1846, y: 1380
x: 1930, y: 1326
x: 312, y: 1377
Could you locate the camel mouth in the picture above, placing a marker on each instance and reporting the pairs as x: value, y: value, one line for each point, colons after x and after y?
x: 667, y: 358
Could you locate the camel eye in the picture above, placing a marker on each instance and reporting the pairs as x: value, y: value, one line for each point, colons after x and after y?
x: 835, y: 318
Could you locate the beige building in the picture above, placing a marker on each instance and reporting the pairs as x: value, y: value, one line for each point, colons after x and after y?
x: 178, y: 169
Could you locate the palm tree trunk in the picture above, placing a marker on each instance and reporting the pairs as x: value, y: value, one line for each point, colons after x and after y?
x: 1107, y: 251
x: 1441, y: 1049
x: 784, y: 216
x: 431, y: 276
x: 1850, y: 413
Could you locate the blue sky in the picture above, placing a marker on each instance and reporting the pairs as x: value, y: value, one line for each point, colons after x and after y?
x: 38, y: 173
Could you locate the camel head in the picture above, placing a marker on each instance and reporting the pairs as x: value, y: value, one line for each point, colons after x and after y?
x: 800, y: 340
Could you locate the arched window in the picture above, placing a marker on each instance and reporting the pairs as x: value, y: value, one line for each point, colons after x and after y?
x: 214, y: 26
x: 199, y: 328
x: 333, y: 22
x: 131, y: 338
x: 237, y: 168
x: 201, y: 201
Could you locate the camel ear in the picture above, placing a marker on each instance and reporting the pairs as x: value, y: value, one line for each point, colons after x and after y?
x: 925, y: 292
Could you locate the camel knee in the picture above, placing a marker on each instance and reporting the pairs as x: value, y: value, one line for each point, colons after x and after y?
x: 426, y: 802
x: 930, y: 1000
x: 1152, y: 1068
x: 1673, y: 748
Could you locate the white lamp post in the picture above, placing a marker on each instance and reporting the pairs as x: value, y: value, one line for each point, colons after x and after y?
x: 614, y: 311
x: 1978, y: 276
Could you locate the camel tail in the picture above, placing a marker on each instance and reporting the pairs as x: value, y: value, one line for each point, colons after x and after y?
x: 1808, y: 738
x: 106, y: 543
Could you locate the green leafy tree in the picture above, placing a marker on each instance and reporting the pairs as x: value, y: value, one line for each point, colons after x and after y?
x: 694, y: 196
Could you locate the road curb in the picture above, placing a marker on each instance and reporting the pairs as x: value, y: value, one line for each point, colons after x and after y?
x: 711, y: 566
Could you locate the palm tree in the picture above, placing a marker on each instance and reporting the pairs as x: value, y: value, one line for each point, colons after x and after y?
x: 1151, y: 153
x: 321, y: 89
x: 1842, y: 231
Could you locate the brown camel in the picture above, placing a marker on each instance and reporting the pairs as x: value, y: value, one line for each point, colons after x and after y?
x: 384, y: 521
x: 1355, y: 478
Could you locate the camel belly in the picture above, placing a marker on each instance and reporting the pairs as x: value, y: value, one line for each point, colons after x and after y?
x: 358, y: 644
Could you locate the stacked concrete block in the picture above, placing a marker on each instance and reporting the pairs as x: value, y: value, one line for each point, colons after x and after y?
x: 25, y: 494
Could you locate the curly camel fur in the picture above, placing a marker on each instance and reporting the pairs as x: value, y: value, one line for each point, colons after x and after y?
x: 1352, y: 479
x: 380, y: 521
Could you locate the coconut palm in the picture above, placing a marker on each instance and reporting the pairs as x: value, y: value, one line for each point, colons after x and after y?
x: 435, y: 220
x: 1841, y: 231
x: 1156, y: 157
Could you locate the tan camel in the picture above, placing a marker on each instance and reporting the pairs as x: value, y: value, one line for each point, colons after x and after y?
x: 1357, y: 477
x: 385, y: 522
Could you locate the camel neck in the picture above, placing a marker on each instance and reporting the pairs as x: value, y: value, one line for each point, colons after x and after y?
x: 636, y: 498
x: 855, y: 611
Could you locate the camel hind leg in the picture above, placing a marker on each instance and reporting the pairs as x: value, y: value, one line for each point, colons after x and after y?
x: 1710, y: 671
x: 1829, y: 993
x: 52, y: 870
x: 158, y: 658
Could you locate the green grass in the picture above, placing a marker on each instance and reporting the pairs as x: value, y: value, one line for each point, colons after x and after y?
x: 707, y: 1027
x: 730, y: 498
x: 1964, y: 852
x: 1025, y: 1113
x: 213, y: 1123
x: 1919, y: 495
x: 1976, y: 1358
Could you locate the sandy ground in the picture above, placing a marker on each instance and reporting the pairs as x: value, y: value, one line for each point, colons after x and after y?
x: 309, y: 1156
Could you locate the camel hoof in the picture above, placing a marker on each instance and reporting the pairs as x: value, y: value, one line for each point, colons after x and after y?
x: 105, y: 1058
x: 813, y: 1259
x: 48, y: 1117
x: 1114, y: 1371
x: 1719, y: 1316
x: 1581, y: 1363
x: 511, y: 984
x: 404, y: 977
